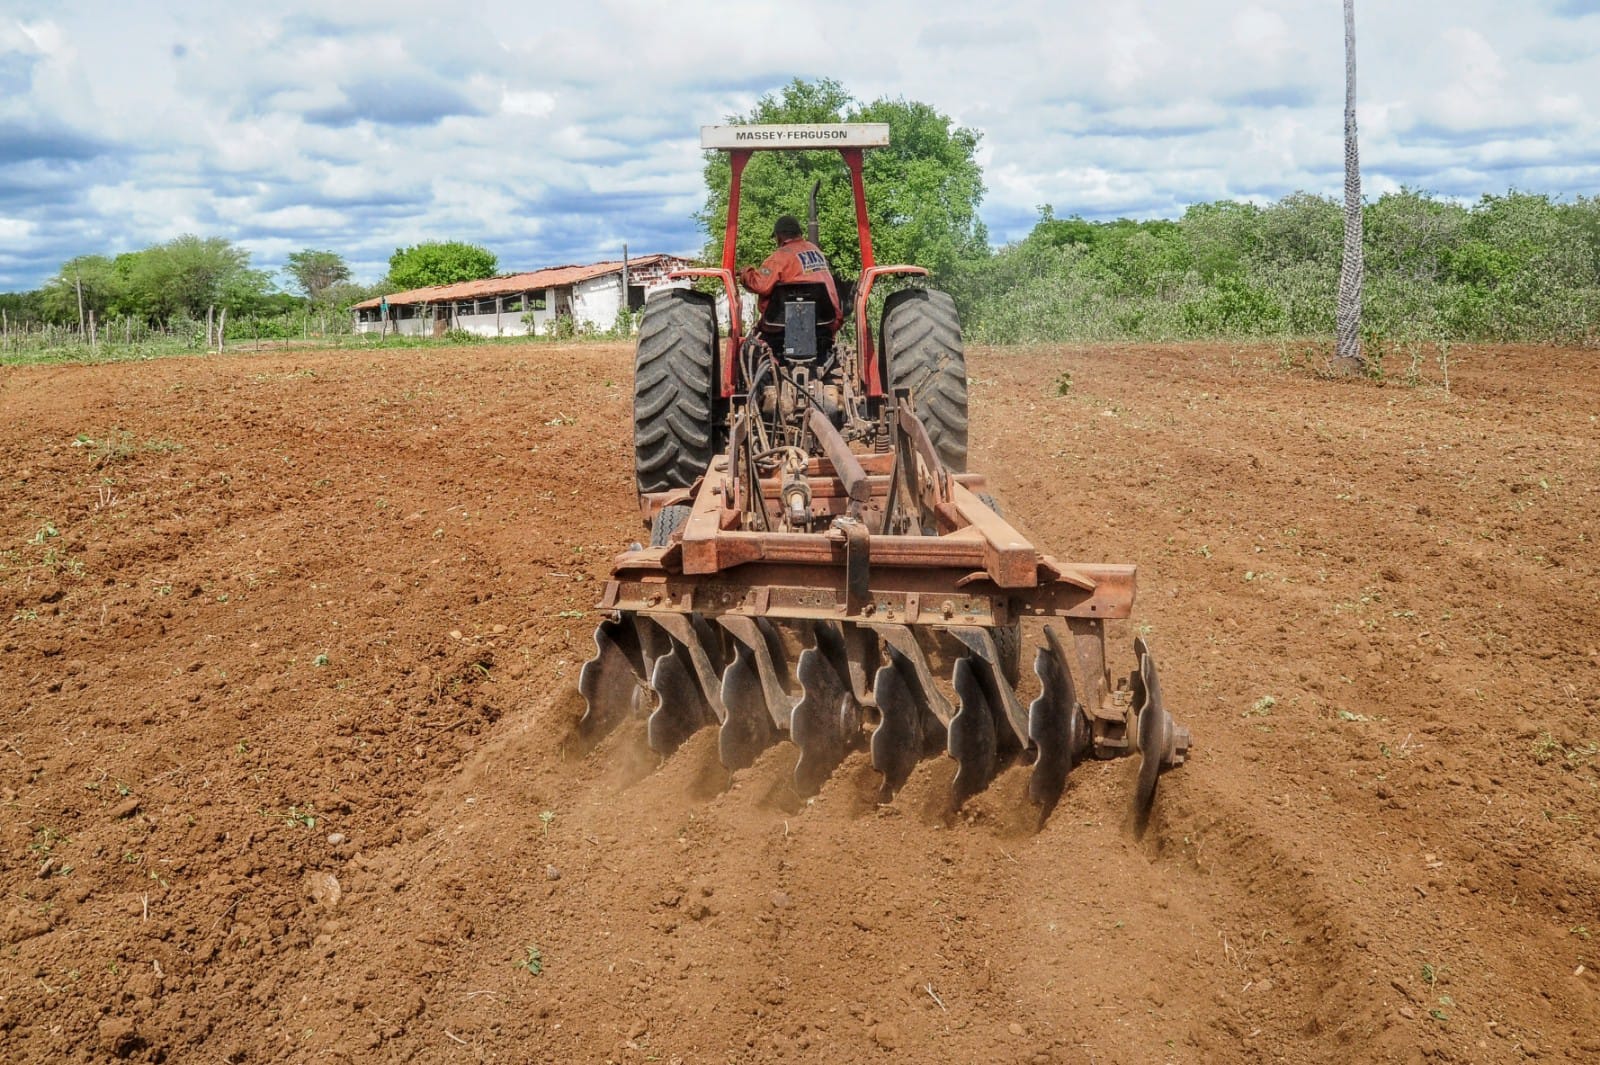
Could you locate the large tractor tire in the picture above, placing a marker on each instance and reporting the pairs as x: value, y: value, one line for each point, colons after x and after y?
x: 674, y: 390
x: 922, y: 352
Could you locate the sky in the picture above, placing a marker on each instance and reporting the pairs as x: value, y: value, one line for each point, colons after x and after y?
x: 557, y: 133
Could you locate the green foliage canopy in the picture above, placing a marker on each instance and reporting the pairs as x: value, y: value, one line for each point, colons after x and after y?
x: 183, y: 277
x: 103, y: 285
x: 1512, y: 267
x: 922, y: 191
x: 315, y: 273
x: 439, y: 263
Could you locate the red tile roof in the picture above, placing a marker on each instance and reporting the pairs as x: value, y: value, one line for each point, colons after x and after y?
x: 510, y: 284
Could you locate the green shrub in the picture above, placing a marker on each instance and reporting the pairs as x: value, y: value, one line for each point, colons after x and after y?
x: 1513, y: 267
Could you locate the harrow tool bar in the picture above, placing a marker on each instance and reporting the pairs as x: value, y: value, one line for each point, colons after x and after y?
x: 834, y: 640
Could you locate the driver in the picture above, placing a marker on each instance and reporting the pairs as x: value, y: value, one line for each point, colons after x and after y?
x: 797, y: 260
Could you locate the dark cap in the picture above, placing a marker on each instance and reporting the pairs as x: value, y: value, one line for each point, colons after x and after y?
x: 787, y: 225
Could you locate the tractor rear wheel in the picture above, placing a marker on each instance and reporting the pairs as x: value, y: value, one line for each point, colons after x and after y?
x: 922, y: 352
x: 674, y: 390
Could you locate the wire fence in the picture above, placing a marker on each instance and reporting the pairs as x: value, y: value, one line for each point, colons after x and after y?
x: 131, y: 338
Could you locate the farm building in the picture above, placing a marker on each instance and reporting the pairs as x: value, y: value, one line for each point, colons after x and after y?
x: 519, y: 304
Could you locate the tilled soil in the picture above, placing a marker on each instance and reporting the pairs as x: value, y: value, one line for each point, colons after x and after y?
x: 288, y: 649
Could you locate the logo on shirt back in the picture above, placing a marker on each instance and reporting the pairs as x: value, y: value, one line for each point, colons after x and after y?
x: 812, y: 260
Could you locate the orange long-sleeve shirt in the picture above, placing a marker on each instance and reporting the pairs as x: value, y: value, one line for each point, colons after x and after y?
x: 796, y: 261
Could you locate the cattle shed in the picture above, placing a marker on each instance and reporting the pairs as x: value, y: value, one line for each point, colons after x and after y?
x: 520, y: 304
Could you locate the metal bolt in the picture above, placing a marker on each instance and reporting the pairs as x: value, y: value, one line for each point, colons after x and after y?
x: 948, y: 609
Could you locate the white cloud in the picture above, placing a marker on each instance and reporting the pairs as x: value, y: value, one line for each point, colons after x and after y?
x: 1262, y: 34
x: 555, y: 139
x: 532, y: 104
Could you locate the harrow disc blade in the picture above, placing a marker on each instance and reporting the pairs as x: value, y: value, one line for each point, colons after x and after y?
x: 683, y: 709
x: 1155, y: 732
x: 898, y: 740
x: 748, y: 729
x: 824, y: 720
x: 973, y: 742
x: 760, y: 638
x: 1055, y: 725
x: 919, y: 679
x: 610, y: 680
x: 1002, y: 699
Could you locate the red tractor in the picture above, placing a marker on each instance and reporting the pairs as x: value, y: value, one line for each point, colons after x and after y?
x: 809, y: 502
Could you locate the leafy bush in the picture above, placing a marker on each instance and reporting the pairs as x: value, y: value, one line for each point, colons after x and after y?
x: 1512, y: 267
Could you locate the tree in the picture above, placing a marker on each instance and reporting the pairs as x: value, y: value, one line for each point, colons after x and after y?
x: 1222, y: 237
x: 1410, y: 234
x: 439, y: 263
x: 1347, y: 320
x: 315, y: 272
x: 190, y: 275
x: 922, y: 191
x: 20, y: 306
x: 102, y: 289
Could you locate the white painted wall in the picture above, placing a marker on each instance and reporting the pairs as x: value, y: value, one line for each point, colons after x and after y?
x: 595, y: 302
x: 509, y: 324
x: 406, y: 327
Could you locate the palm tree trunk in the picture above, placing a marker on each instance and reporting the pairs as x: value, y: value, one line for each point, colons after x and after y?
x: 1347, y: 319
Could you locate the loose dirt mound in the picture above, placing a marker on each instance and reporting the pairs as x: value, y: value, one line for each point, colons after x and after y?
x: 289, y: 649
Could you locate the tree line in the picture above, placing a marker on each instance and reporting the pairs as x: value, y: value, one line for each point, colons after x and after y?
x: 1517, y: 266
x: 1513, y: 267
x: 190, y: 279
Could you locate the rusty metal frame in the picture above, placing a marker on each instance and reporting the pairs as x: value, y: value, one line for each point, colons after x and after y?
x: 977, y: 571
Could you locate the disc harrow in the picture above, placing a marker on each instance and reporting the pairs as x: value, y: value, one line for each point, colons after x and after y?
x: 690, y: 675
x: 837, y: 641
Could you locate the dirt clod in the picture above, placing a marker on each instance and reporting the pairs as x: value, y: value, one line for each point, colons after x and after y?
x: 118, y: 1036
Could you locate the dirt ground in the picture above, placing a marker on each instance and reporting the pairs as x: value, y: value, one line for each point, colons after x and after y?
x: 288, y: 649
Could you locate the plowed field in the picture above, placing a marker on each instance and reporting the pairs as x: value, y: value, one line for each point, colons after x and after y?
x: 288, y: 648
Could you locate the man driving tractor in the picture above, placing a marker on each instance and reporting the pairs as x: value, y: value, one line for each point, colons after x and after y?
x: 797, y: 260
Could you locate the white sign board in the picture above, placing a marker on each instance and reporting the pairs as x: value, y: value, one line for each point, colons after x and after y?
x: 833, y: 135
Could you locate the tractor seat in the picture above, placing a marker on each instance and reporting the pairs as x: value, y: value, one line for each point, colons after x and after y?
x: 781, y: 309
